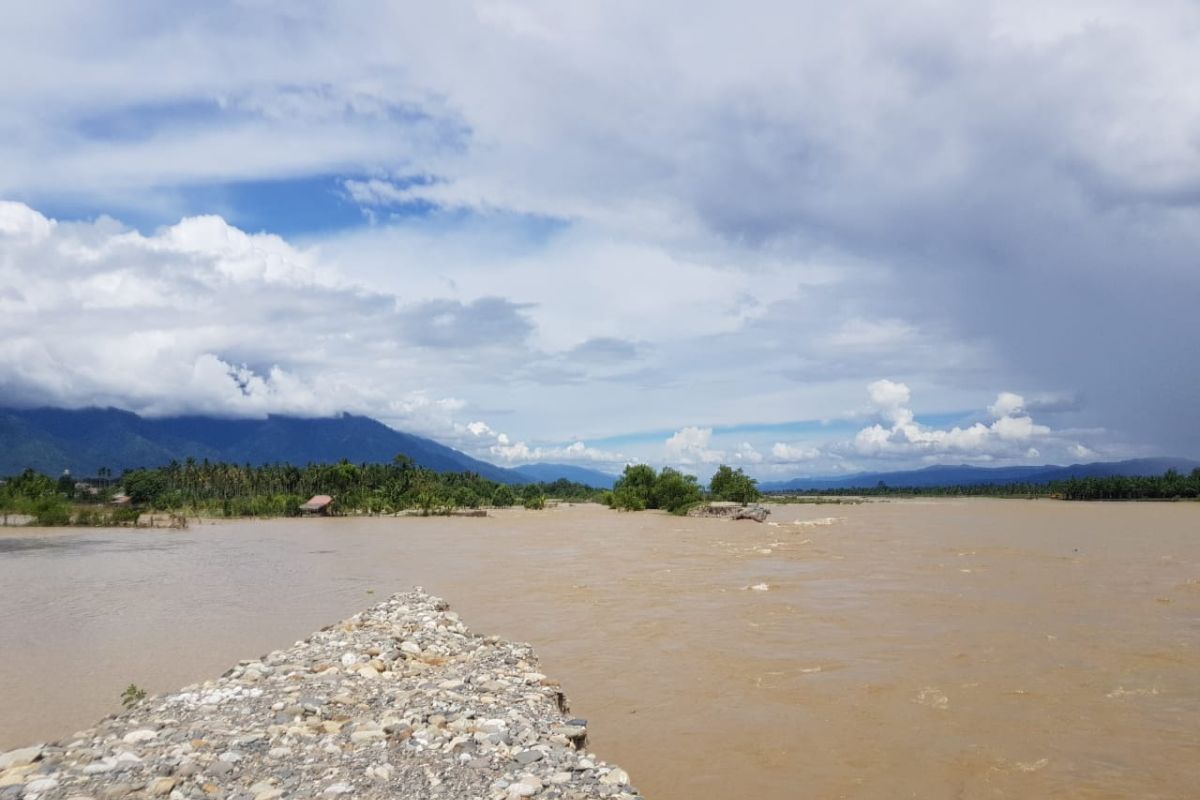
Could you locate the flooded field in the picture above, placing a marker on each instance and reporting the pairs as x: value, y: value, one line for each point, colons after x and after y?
x: 948, y: 649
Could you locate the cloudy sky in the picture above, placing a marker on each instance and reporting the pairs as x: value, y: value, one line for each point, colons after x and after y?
x: 800, y: 237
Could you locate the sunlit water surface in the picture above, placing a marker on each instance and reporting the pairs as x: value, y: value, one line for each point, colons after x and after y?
x: 911, y: 649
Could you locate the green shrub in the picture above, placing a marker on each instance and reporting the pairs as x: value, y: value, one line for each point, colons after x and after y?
x: 51, y: 511
x: 676, y: 492
x: 733, y: 485
x: 503, y: 497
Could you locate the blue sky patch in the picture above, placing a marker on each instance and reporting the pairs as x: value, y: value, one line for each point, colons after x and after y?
x: 287, y: 206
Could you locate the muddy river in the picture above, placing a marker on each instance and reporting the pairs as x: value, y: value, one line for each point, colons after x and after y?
x: 947, y: 649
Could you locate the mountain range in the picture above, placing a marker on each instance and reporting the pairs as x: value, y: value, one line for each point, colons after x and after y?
x: 967, y: 475
x: 52, y: 440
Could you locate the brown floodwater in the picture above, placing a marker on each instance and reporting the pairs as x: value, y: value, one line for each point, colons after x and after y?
x: 946, y: 649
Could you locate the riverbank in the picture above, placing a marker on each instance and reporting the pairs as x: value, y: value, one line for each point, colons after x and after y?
x: 402, y: 700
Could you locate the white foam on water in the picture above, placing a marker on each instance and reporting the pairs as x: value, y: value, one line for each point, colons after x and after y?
x: 1121, y: 691
x: 816, y: 523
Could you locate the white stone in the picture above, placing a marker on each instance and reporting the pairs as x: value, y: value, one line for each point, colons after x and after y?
x: 40, y: 785
x: 139, y: 736
x: 17, y: 758
x: 618, y: 777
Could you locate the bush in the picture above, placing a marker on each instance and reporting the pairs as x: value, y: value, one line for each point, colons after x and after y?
x: 51, y: 511
x: 144, y: 486
x: 733, y: 485
x: 625, y: 498
x: 503, y: 497
x: 124, y: 516
x: 634, y: 490
x: 676, y: 492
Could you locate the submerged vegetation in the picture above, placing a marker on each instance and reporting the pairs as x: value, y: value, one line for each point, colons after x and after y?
x: 640, y: 487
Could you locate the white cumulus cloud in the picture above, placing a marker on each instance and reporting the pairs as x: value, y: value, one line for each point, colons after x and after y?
x: 787, y: 453
x: 691, y: 445
x: 1010, y: 434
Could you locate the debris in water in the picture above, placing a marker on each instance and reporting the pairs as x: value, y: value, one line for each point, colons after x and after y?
x: 932, y: 697
x: 758, y: 587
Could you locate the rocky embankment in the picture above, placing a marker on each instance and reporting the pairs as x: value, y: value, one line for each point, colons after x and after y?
x: 724, y: 510
x: 399, y: 701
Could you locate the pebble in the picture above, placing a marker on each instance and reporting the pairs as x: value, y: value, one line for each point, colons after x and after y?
x: 39, y: 785
x: 616, y: 776
x: 160, y: 787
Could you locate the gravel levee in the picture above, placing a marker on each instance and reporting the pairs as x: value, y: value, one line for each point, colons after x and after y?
x: 402, y: 700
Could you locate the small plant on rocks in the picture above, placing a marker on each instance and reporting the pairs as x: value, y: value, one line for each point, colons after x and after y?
x: 132, y: 695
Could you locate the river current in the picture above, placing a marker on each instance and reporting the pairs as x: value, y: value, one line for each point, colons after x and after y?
x: 940, y: 649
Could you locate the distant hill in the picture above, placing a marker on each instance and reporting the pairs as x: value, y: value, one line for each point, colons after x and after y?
x: 83, y: 441
x: 548, y: 473
x: 966, y: 475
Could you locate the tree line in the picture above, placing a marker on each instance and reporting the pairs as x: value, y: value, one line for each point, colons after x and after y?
x: 1171, y: 485
x: 217, y: 489
x: 204, y: 488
